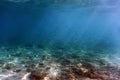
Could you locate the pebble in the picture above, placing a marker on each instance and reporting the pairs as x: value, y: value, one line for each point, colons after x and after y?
x: 17, y: 70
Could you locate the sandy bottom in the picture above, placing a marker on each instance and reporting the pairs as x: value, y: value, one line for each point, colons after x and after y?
x: 43, y: 64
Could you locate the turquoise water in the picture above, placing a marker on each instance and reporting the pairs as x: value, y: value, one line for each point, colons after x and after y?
x: 48, y: 37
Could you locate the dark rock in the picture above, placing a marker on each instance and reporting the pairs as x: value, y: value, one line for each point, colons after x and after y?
x: 41, y: 64
x: 17, y: 70
x: 37, y: 75
x: 28, y: 70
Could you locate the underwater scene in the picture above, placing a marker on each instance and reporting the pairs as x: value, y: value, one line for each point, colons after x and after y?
x: 59, y: 40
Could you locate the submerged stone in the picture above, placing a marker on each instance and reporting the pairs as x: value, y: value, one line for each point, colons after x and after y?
x: 17, y: 70
x: 6, y: 66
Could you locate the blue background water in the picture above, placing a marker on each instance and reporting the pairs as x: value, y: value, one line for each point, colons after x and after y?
x: 28, y: 23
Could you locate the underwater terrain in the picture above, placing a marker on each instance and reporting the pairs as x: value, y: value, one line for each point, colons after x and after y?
x: 59, y: 40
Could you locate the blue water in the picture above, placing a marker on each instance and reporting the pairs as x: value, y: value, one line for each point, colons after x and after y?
x: 62, y: 22
x: 87, y: 32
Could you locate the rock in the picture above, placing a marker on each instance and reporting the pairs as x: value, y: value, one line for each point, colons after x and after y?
x: 97, y: 75
x: 84, y: 70
x: 28, y: 70
x: 41, y: 64
x: 47, y: 56
x: 79, y: 65
x: 37, y: 75
x: 17, y: 70
x: 6, y: 66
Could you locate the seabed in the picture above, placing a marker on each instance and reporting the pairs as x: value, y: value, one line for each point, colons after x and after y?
x: 34, y: 63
